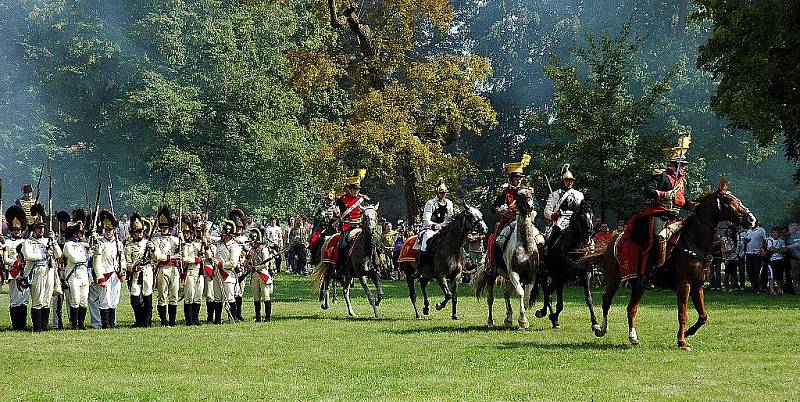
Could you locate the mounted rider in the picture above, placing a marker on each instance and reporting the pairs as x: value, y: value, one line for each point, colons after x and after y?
x: 437, y: 210
x: 666, y: 194
x: 504, y: 205
x: 561, y: 204
x: 351, y: 205
x: 324, y: 224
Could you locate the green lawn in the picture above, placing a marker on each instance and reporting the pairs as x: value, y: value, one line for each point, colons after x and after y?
x: 750, y: 349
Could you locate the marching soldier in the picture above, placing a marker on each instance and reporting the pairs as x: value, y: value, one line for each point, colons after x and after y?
x: 261, y: 263
x: 274, y: 234
x: 237, y: 216
x: 666, y: 194
x: 39, y: 253
x: 109, y: 268
x: 505, y: 206
x: 208, y: 271
x: 324, y: 225
x: 138, y: 255
x: 17, y: 223
x: 63, y: 218
x: 350, y: 205
x: 194, y: 255
x: 436, y: 211
x: 561, y: 204
x: 166, y: 257
x: 77, y: 273
x: 226, y: 259
x: 27, y: 201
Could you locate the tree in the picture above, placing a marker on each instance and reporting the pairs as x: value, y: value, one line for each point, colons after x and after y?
x: 754, y: 52
x: 601, y: 124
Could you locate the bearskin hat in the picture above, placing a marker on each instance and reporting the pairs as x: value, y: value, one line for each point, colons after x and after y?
x: 37, y: 216
x: 186, y: 223
x: 63, y: 219
x: 79, y: 215
x: 15, y: 218
x: 228, y: 227
x: 164, y: 217
x: 237, y: 216
x: 72, y: 230
x: 107, y: 220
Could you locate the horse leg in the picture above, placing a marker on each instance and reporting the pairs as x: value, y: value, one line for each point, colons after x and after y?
x: 446, y: 290
x: 611, y: 289
x: 423, y: 284
x: 412, y: 294
x: 633, y: 307
x: 698, y: 299
x: 520, y: 291
x: 346, y: 294
x: 683, y: 300
x: 490, y: 301
x: 587, y: 294
x: 528, y: 289
x: 332, y: 281
x: 323, y: 291
x: 454, y: 292
x: 546, y: 298
x: 376, y: 280
x: 370, y: 297
x: 509, y: 321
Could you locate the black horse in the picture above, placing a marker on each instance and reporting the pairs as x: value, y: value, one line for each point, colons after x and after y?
x: 563, y: 248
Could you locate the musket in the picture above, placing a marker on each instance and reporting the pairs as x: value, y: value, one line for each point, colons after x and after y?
x: 547, y: 180
x: 86, y: 192
x: 39, y: 182
x: 110, y: 199
x: 97, y: 198
x: 2, y: 211
x: 180, y: 234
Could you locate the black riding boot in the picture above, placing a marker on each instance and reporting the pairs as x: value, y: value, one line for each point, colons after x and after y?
x: 73, y: 317
x: 268, y: 310
x: 137, y: 312
x: 147, y: 311
x: 196, y: 314
x: 81, y: 318
x: 36, y: 315
x: 23, y: 317
x: 104, y: 318
x: 172, y: 309
x: 257, y: 307
x: 14, y: 312
x: 44, y: 319
x: 162, y: 315
x: 239, y: 308
x: 187, y: 314
x: 209, y: 312
x: 217, y: 312
x: 112, y: 318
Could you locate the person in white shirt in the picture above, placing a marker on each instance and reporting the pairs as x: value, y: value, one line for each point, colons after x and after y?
x: 775, y: 248
x: 76, y: 254
x: 40, y: 253
x: 435, y: 213
x: 754, y: 239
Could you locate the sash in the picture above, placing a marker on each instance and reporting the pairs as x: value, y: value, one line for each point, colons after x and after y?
x: 352, y: 207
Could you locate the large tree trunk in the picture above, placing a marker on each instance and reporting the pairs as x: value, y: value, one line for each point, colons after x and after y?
x: 413, y: 202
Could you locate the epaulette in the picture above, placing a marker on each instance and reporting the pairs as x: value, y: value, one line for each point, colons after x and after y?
x: 658, y: 172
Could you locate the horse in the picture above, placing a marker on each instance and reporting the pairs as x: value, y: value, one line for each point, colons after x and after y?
x: 521, y: 257
x: 356, y: 264
x: 443, y: 260
x: 686, y: 268
x: 560, y: 263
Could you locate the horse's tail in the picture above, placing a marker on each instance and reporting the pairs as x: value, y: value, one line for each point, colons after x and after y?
x: 318, y: 276
x: 480, y: 281
x: 596, y: 255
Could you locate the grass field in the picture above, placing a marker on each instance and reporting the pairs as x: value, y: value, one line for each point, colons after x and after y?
x: 750, y: 349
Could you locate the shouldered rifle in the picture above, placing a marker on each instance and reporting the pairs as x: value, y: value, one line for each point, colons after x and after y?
x: 95, y: 217
x: 39, y: 182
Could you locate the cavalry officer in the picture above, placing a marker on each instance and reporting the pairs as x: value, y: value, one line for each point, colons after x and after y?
x: 166, y: 256
x: 226, y: 259
x: 109, y: 268
x: 350, y: 205
x: 561, y: 204
x: 17, y: 223
x: 324, y: 225
x: 505, y: 207
x: 194, y: 255
x: 436, y: 211
x: 76, y: 255
x: 40, y: 253
x: 26, y: 202
x: 262, y: 265
x: 138, y: 255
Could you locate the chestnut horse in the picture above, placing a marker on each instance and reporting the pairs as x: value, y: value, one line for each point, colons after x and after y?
x: 686, y: 268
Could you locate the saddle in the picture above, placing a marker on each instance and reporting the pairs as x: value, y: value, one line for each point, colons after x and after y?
x: 632, y: 247
x: 330, y: 249
x: 407, y: 252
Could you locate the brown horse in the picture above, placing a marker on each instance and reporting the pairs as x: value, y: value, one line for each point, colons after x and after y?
x: 686, y: 268
x: 443, y: 260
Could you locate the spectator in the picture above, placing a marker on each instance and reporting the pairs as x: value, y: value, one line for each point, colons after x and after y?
x: 124, y: 227
x: 730, y: 257
x: 387, y: 247
x: 603, y: 235
x: 620, y: 226
x: 792, y: 269
x: 775, y: 248
x: 754, y: 246
x: 290, y: 266
x: 298, y: 238
x: 475, y: 249
x: 716, y: 263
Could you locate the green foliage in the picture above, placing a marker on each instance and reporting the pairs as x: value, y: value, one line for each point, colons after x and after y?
x: 601, y: 124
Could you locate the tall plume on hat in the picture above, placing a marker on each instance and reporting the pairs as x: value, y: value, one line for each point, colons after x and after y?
x: 63, y: 219
x: 107, y: 220
x: 164, y: 217
x: 37, y: 216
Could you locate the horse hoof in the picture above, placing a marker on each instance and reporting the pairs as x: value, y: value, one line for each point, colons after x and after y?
x: 490, y: 325
x: 556, y: 325
x: 324, y: 307
x: 634, y: 342
x: 508, y: 323
x: 599, y: 333
x: 596, y: 327
x: 426, y: 310
x: 439, y: 306
x: 524, y: 325
x: 686, y: 348
x: 455, y: 318
x: 539, y: 314
x: 378, y: 316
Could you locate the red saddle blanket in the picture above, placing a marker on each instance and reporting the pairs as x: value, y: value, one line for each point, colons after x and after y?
x: 632, y: 253
x: 330, y: 249
x: 407, y: 252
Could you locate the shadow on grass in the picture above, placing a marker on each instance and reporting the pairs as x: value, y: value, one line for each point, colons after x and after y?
x: 459, y: 330
x: 333, y: 318
x: 562, y: 345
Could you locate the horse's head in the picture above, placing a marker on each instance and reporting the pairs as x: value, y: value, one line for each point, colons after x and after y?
x: 525, y: 201
x: 371, y: 217
x: 473, y: 218
x: 721, y: 205
x: 584, y: 219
